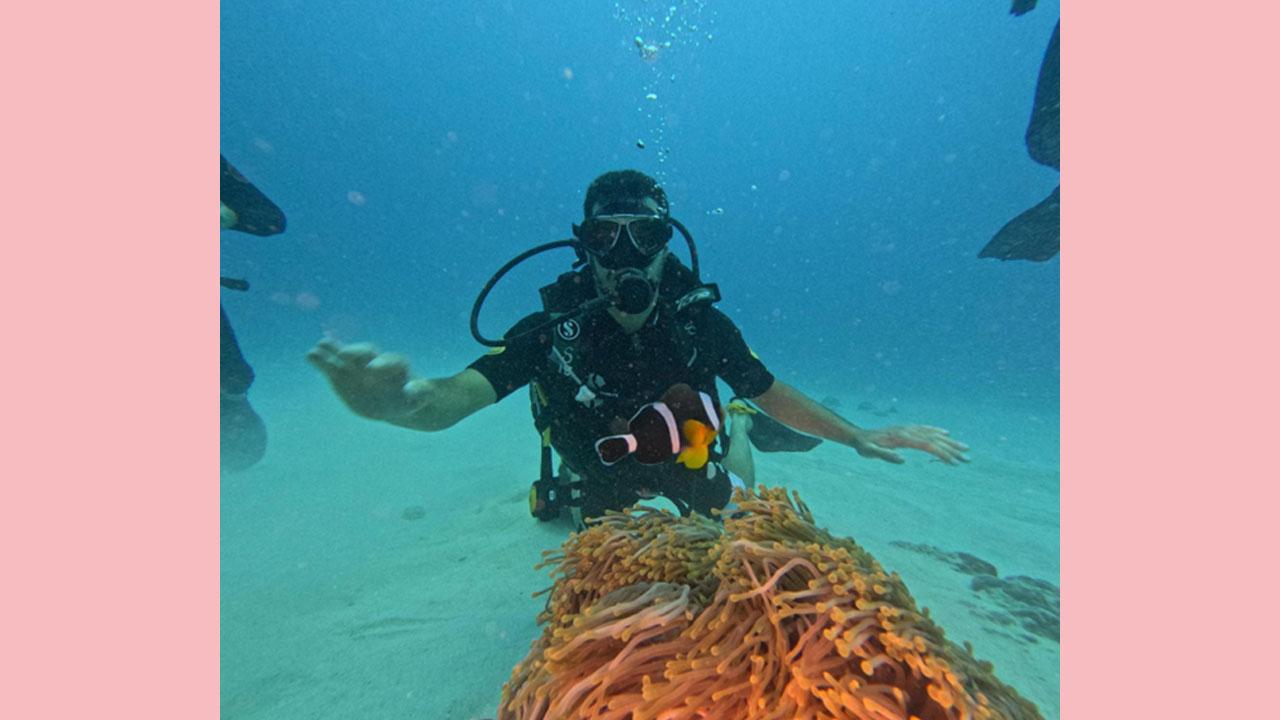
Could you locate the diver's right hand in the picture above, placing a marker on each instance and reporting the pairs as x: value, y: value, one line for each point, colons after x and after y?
x: 373, y: 384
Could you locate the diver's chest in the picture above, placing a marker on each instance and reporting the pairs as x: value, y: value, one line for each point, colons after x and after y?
x: 618, y: 374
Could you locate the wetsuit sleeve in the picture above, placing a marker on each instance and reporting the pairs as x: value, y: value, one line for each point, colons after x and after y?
x: 510, y: 368
x: 736, y: 364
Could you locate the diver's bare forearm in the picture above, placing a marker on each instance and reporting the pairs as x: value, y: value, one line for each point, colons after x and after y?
x: 426, y: 419
x: 799, y: 412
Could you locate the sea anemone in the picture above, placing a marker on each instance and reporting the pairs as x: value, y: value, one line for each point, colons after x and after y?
x: 658, y: 617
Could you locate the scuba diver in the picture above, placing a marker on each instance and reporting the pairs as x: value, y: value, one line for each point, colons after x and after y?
x: 621, y: 364
x: 242, y: 434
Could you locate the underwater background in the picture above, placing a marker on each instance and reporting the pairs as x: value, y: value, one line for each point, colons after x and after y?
x: 840, y: 165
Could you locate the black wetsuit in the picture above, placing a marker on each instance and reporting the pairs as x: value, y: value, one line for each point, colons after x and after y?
x: 588, y: 375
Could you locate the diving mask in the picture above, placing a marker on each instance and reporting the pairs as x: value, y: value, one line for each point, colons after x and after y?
x: 647, y: 234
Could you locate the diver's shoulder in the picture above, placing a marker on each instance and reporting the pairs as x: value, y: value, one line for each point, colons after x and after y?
x: 710, y: 316
x: 528, y: 322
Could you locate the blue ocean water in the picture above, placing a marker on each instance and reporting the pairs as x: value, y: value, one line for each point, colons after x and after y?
x: 883, y: 140
x: 839, y: 163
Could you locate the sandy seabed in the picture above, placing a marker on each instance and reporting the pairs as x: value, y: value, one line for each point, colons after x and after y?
x: 369, y: 571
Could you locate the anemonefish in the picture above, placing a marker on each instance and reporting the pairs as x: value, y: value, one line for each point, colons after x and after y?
x: 683, y: 424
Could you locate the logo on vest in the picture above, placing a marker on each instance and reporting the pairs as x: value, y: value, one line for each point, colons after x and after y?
x: 568, y: 330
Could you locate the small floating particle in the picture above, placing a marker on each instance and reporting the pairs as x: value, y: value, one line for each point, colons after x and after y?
x: 640, y: 144
x: 306, y: 300
x: 651, y: 96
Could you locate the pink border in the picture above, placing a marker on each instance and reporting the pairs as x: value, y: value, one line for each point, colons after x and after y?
x: 110, y: 537
x: 1169, y: 276
x: 1169, y: 271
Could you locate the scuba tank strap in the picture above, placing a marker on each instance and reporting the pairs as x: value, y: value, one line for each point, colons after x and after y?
x: 551, y: 492
x: 543, y: 496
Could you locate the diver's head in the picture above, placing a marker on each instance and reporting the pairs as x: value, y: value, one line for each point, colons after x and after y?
x: 625, y: 230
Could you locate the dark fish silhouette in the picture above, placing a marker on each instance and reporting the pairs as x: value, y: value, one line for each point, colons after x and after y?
x: 1022, y: 7
x: 255, y: 213
x: 1043, y: 130
x: 878, y: 410
x: 1035, y: 234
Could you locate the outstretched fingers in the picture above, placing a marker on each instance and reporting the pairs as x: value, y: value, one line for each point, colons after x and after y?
x: 954, y: 448
x: 324, y: 355
x: 925, y: 438
x: 946, y: 449
x: 358, y: 355
x: 333, y: 358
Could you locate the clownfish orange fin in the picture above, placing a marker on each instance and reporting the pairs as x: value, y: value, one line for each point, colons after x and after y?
x: 693, y: 457
x: 697, y: 437
x: 697, y: 433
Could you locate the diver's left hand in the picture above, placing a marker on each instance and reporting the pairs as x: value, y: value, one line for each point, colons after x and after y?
x: 879, y: 444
